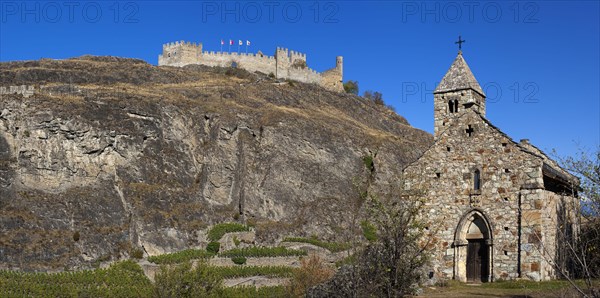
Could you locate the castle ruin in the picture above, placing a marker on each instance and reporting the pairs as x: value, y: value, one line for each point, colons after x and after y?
x: 285, y: 64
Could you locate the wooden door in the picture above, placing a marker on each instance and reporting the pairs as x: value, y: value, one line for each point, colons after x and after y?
x: 476, y: 261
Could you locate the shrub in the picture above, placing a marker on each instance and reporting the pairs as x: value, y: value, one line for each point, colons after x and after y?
x: 136, y: 253
x: 369, y: 230
x: 311, y: 273
x: 219, y: 230
x: 351, y: 87
x: 239, y: 260
x: 184, y: 281
x: 213, y: 247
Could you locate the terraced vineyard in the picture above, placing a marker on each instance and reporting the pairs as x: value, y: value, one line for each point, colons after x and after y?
x: 123, y: 279
x: 128, y: 279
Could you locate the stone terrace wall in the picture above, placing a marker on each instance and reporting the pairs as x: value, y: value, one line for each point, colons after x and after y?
x: 24, y: 90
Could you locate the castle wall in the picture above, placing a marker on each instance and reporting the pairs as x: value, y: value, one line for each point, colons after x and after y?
x: 251, y: 62
x: 285, y: 64
x: 332, y: 79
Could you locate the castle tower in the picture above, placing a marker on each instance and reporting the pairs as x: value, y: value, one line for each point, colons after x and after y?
x: 339, y: 64
x: 180, y: 53
x: 457, y: 92
x: 282, y: 63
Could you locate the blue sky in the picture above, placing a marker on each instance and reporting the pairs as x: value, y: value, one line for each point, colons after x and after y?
x: 538, y: 62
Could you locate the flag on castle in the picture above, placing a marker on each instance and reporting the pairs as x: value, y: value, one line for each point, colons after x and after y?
x: 247, y: 42
x: 231, y: 42
x: 240, y: 42
x: 222, y: 42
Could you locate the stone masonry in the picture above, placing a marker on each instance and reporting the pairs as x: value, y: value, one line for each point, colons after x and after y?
x: 495, y: 208
x: 285, y: 64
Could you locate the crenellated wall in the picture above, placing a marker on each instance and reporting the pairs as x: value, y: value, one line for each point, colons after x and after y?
x: 285, y: 64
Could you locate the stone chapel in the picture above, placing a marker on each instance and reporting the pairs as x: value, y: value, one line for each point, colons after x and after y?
x: 494, y: 208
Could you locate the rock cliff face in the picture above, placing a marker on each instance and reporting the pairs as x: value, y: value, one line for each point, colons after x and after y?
x: 111, y: 154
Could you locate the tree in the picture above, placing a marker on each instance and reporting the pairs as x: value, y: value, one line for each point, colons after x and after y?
x: 351, y: 87
x: 391, y: 264
x: 376, y: 97
x: 586, y: 253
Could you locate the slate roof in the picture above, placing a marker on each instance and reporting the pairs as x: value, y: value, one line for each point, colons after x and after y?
x: 459, y: 77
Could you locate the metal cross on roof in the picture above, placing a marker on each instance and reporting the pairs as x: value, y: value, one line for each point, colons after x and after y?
x: 459, y: 42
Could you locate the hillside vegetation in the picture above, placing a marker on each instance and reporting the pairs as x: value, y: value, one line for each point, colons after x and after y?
x: 114, y: 157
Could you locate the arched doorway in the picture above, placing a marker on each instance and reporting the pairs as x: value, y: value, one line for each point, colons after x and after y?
x: 473, y: 248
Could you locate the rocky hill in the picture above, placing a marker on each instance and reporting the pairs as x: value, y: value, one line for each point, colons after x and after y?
x: 111, y: 154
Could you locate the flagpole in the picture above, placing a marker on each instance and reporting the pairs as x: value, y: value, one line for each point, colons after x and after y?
x: 221, y: 45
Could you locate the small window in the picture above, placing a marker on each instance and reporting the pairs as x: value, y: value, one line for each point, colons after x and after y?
x: 451, y: 106
x: 438, y: 175
x: 448, y: 149
x: 506, y: 171
x: 470, y: 130
x: 455, y: 105
x: 504, y: 144
x: 477, y: 180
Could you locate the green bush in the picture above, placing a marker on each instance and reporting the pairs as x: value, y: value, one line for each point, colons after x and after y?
x: 180, y: 256
x: 213, y: 247
x: 136, y: 253
x: 369, y: 230
x: 239, y: 260
x: 184, y: 281
x: 331, y: 246
x: 219, y: 230
x: 262, y: 252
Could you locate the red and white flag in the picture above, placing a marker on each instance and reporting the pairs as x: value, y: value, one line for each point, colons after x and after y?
x: 240, y: 42
x: 222, y: 42
x: 231, y: 42
x: 247, y: 42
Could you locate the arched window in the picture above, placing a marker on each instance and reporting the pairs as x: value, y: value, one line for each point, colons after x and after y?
x: 456, y: 105
x: 476, y: 180
x: 451, y: 106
